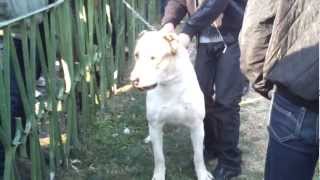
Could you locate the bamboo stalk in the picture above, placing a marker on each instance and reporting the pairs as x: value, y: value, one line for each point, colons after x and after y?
x: 131, y: 32
x: 87, y: 31
x: 101, y: 32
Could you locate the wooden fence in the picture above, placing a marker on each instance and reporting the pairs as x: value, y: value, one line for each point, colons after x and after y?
x: 92, y: 40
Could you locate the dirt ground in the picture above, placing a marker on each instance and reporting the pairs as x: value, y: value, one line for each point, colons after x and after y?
x: 113, y: 146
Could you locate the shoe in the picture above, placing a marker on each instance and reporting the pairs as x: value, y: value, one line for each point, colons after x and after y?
x: 221, y: 173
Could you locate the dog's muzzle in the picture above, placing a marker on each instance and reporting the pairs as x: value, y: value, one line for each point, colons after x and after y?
x: 145, y: 88
x: 135, y: 84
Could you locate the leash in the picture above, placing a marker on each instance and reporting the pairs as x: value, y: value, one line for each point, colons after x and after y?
x: 224, y: 42
x: 240, y: 11
x: 138, y: 16
x: 199, y: 3
x: 153, y: 28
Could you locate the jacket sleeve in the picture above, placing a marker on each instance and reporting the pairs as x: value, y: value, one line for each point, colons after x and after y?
x: 204, y: 16
x: 254, y: 40
x: 175, y: 11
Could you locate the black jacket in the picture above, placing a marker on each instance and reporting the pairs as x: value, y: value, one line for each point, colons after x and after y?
x: 207, y: 13
x: 210, y: 10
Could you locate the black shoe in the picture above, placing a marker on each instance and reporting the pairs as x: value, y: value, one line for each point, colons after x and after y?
x: 221, y: 173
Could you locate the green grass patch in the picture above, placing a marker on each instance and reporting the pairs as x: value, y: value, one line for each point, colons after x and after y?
x: 111, y: 152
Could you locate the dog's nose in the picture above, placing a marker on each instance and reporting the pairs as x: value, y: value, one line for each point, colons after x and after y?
x: 135, y: 82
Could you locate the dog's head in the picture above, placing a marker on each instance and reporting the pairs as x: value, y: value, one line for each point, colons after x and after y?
x: 154, y: 56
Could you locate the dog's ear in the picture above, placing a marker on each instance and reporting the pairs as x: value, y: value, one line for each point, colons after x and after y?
x: 172, y: 40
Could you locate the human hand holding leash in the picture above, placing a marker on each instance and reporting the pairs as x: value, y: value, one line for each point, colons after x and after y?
x: 183, y: 38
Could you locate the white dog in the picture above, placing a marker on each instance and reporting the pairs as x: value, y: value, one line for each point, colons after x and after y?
x: 163, y: 67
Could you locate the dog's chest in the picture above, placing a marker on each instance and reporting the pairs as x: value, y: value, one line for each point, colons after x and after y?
x: 175, y: 108
x: 169, y: 113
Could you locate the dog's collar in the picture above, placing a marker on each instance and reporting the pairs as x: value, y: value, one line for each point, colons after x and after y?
x: 146, y: 88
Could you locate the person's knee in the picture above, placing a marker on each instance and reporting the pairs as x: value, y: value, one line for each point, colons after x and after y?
x: 228, y: 103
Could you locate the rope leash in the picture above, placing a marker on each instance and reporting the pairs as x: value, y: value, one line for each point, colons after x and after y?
x: 153, y: 28
x: 138, y: 16
x: 224, y: 42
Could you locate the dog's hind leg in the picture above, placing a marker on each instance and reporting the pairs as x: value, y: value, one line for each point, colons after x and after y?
x: 156, y: 136
x: 197, y: 136
x: 147, y: 139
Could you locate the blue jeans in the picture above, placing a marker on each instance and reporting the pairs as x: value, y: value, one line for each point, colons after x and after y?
x: 293, y: 142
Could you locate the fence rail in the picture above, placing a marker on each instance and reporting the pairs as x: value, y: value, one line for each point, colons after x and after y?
x: 92, y: 40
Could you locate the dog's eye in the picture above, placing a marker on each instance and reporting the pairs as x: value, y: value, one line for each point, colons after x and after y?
x: 152, y: 58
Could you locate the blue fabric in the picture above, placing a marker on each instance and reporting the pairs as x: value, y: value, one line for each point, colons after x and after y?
x: 293, y: 144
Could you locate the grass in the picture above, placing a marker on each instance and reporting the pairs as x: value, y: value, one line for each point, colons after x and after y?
x: 110, y: 151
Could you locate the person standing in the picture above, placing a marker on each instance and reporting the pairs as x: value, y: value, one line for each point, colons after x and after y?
x: 217, y: 24
x: 279, y: 45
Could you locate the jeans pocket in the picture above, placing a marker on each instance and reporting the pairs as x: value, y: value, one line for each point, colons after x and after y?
x: 285, y: 123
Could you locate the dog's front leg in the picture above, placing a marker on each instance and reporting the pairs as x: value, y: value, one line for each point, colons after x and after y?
x: 157, y: 145
x: 197, y: 136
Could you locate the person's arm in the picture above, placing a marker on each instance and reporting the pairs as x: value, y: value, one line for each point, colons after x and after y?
x: 254, y: 41
x: 175, y: 11
x: 204, y: 16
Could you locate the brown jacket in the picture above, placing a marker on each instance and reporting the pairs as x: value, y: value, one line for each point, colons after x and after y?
x: 176, y: 10
x: 279, y: 44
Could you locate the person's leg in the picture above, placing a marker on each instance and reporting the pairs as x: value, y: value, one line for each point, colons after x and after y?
x: 284, y: 163
x: 205, y: 69
x: 293, y: 144
x: 229, y: 86
x: 16, y: 101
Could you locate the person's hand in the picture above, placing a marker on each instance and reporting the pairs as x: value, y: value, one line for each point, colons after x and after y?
x: 167, y: 28
x: 184, y: 39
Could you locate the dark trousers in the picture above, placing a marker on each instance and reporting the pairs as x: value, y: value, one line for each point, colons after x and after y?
x: 16, y: 111
x: 219, y: 75
x: 293, y: 143
x: 16, y: 101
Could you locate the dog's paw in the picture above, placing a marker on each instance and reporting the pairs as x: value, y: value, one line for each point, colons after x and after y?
x: 158, y: 176
x: 147, y: 139
x: 206, y: 175
x: 209, y: 176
